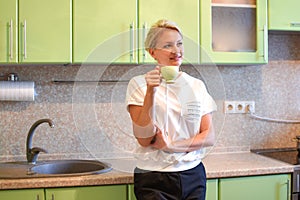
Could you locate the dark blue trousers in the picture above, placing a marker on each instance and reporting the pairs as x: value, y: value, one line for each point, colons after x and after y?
x: 183, y: 185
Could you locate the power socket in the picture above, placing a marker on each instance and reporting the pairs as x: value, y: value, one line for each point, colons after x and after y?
x: 239, y: 107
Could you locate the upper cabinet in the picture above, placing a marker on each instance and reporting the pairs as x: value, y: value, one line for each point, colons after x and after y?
x: 234, y: 32
x: 35, y: 31
x: 284, y: 15
x: 8, y: 31
x: 106, y: 31
x: 78, y: 31
x: 185, y: 15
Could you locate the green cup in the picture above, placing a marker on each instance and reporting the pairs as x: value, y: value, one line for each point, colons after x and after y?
x: 169, y: 73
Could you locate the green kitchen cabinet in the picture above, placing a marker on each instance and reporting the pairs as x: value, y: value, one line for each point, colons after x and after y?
x: 185, y: 15
x: 91, y: 193
x: 25, y: 194
x: 212, y: 189
x: 104, y: 31
x: 275, y: 187
x: 233, y: 33
x: 131, y: 195
x: 36, y: 31
x: 45, y: 31
x: 284, y: 15
x: 8, y: 31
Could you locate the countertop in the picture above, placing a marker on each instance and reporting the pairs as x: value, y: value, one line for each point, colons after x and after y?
x: 218, y: 165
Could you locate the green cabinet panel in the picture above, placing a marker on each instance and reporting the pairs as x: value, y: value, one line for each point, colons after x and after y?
x: 233, y: 33
x: 104, y: 31
x: 131, y: 195
x: 212, y: 189
x: 35, y: 31
x: 45, y: 31
x: 273, y: 187
x: 28, y: 194
x: 91, y: 193
x: 8, y: 31
x: 284, y: 15
x: 185, y: 15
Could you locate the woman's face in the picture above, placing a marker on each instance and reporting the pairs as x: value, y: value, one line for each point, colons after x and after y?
x: 169, y: 48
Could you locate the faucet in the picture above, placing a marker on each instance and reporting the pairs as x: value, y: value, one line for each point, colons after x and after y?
x: 32, y: 153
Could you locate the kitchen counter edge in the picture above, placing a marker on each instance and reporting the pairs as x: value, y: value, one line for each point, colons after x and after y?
x: 218, y: 165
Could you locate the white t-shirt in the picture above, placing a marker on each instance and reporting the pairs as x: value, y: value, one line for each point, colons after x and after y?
x: 178, y: 109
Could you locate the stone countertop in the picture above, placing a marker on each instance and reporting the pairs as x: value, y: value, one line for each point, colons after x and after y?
x: 218, y: 165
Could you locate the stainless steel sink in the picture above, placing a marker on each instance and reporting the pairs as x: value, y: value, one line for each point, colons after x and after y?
x: 71, y: 167
x: 53, y: 168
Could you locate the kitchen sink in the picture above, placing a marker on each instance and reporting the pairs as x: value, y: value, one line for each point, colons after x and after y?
x: 53, y: 168
x: 67, y: 167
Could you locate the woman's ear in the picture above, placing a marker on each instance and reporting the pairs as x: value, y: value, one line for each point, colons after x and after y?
x: 151, y: 52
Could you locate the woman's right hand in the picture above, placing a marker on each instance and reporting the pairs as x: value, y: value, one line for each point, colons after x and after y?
x: 153, y: 77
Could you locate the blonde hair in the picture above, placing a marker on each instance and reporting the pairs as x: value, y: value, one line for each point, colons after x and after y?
x: 156, y: 30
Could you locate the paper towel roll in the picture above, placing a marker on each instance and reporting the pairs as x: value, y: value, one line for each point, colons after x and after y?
x: 16, y: 91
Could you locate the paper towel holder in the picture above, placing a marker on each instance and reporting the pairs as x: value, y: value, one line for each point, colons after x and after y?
x: 12, y: 89
x: 12, y: 77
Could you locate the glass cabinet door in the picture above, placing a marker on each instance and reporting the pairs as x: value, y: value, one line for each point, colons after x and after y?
x: 234, y: 31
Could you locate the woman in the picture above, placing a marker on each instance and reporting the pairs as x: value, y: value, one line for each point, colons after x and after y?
x: 171, y: 122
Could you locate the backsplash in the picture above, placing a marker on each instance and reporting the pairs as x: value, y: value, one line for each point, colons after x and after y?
x: 91, y: 119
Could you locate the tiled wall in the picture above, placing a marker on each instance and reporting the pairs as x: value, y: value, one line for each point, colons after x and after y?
x: 91, y: 120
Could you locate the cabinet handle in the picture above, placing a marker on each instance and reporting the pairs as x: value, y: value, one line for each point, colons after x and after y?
x: 11, y: 39
x: 295, y: 24
x: 37, y: 197
x: 265, y: 43
x: 52, y: 196
x: 132, y: 42
x: 143, y: 42
x: 25, y: 42
x: 288, y: 189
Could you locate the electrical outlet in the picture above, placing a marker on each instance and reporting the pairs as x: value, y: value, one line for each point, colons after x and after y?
x: 239, y: 107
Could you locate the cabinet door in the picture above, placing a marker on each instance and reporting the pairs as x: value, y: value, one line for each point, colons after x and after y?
x: 45, y: 31
x: 91, y: 193
x: 8, y: 31
x: 131, y: 195
x: 234, y: 33
x: 30, y: 194
x: 212, y: 189
x: 185, y: 15
x: 104, y: 31
x: 275, y: 187
x: 284, y: 15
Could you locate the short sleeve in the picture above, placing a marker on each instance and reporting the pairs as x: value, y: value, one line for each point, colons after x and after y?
x: 136, y: 90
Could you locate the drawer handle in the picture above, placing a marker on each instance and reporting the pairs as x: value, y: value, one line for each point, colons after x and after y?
x: 11, y: 39
x: 25, y: 38
x: 132, y: 56
x: 295, y: 24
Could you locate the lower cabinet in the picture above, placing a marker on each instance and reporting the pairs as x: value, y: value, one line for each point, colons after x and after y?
x: 268, y: 187
x: 212, y: 189
x: 131, y: 195
x: 272, y: 187
x: 91, y: 193
x: 26, y: 194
